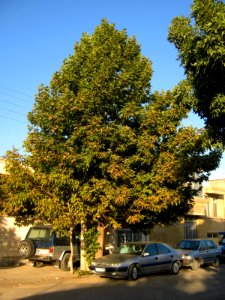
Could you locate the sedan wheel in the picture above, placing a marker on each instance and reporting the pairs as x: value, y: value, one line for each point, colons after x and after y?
x: 175, y: 267
x: 133, y: 273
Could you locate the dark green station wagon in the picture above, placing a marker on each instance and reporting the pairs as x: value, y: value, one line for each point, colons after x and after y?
x: 42, y: 245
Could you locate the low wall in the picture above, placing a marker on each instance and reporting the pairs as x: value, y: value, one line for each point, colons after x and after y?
x: 10, y: 236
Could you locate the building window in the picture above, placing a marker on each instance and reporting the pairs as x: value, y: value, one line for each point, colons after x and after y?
x: 215, y: 209
x: 127, y: 235
x: 212, y: 235
x: 207, y: 209
x: 190, y: 230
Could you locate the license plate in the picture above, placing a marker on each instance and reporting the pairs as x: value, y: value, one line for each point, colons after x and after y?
x: 42, y: 252
x: 100, y: 269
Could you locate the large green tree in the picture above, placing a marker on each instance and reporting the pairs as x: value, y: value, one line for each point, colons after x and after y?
x: 200, y: 41
x: 102, y: 149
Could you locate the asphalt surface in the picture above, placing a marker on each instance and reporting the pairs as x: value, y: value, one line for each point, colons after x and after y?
x: 27, y: 282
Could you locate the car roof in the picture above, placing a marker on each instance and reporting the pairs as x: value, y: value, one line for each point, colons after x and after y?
x: 41, y: 226
x: 145, y: 242
x: 195, y: 240
x: 139, y: 242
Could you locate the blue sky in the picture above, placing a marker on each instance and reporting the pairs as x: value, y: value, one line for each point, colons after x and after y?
x: 36, y: 36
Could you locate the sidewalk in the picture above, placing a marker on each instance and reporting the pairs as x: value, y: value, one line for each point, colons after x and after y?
x: 25, y: 276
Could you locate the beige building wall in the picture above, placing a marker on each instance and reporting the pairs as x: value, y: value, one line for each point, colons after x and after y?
x: 10, y: 236
x: 210, y: 227
x: 170, y: 235
x: 216, y: 186
x: 205, y: 228
x: 207, y: 217
x: 2, y: 166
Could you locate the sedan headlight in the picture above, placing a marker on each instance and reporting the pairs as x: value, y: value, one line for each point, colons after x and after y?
x: 186, y: 256
x: 116, y: 265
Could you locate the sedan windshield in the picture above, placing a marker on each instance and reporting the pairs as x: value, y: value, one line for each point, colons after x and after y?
x: 130, y: 249
x: 222, y: 240
x: 188, y: 245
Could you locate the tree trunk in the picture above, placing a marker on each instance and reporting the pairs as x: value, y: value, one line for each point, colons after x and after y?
x: 71, y: 250
x: 83, y: 261
x: 101, y: 230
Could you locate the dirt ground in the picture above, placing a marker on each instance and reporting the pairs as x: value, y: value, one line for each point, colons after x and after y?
x: 48, y: 282
x: 27, y: 275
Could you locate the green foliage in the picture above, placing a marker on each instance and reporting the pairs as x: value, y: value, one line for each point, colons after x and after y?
x: 18, y: 188
x: 91, y: 243
x: 200, y: 41
x: 102, y: 149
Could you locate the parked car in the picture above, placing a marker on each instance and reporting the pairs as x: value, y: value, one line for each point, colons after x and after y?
x: 133, y: 259
x: 222, y: 244
x: 42, y: 244
x: 196, y: 252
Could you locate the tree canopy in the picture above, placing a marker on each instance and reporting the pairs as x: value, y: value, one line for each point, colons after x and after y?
x: 200, y: 41
x: 102, y: 148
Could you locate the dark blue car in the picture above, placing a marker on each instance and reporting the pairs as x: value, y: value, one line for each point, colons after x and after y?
x: 222, y: 244
x: 42, y: 245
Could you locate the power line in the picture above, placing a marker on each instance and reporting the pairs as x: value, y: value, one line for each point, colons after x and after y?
x: 5, y: 94
x: 13, y: 119
x: 12, y: 103
x: 15, y: 91
x: 22, y: 99
x: 15, y: 112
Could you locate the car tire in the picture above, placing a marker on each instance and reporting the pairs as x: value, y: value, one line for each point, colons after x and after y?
x: 64, y: 265
x: 175, y: 267
x: 26, y: 248
x: 133, y: 272
x: 195, y: 265
x: 216, y: 262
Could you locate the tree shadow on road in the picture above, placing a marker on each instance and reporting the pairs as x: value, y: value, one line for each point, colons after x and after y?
x: 206, y: 283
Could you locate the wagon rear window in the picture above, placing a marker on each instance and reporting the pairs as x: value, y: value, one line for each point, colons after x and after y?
x: 37, y: 233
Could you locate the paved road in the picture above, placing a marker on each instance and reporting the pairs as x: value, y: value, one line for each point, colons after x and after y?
x: 206, y: 283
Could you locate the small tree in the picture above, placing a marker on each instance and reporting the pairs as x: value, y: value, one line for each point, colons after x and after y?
x: 200, y: 41
x: 102, y: 149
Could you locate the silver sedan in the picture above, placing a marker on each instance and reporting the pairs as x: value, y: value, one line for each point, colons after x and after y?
x: 134, y: 259
x: 198, y: 252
